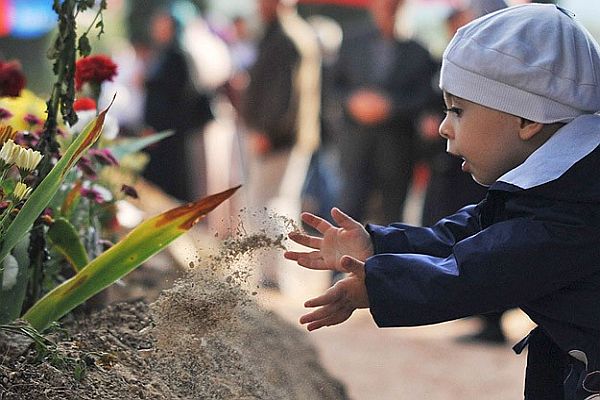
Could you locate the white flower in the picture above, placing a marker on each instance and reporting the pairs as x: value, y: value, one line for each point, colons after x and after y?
x: 25, y: 159
x: 22, y: 191
x: 9, y: 152
x: 28, y: 159
x: 11, y: 270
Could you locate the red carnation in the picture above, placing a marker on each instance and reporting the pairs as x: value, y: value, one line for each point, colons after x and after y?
x: 84, y: 104
x: 94, y: 69
x: 12, y: 80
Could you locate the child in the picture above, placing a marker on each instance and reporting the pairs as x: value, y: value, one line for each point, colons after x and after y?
x: 521, y: 87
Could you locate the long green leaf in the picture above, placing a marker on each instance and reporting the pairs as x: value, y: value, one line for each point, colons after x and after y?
x: 129, y: 146
x: 65, y: 239
x: 141, y: 243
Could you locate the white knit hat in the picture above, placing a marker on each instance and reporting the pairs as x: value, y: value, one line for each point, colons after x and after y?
x: 533, y: 60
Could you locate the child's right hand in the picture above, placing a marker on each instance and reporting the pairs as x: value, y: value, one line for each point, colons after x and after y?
x: 338, y: 303
x: 350, y: 238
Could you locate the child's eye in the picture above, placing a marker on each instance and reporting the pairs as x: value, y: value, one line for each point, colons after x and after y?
x: 455, y: 110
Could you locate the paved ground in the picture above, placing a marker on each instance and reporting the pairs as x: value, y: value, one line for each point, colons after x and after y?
x: 407, y: 363
x: 414, y: 363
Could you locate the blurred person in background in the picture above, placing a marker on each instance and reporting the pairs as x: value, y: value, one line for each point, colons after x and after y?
x: 384, y: 82
x: 172, y: 102
x: 449, y: 188
x: 128, y: 105
x: 280, y: 111
x: 242, y: 48
x: 322, y: 184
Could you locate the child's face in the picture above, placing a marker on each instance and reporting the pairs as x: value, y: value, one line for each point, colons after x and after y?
x: 486, y: 139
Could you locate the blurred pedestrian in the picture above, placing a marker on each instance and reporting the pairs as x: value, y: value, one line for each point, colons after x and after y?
x: 172, y: 102
x: 322, y: 184
x: 384, y: 82
x: 449, y: 188
x: 281, y: 113
x: 243, y: 51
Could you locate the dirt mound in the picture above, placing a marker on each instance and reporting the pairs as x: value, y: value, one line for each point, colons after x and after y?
x: 116, y: 354
x: 205, y: 338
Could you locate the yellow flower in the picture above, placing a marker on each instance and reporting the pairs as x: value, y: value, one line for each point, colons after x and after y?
x: 19, y: 107
x: 22, y: 191
x: 27, y: 159
x: 7, y: 132
x: 9, y: 152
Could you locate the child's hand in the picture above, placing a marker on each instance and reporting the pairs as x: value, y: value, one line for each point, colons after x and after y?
x: 340, y: 300
x: 351, y: 239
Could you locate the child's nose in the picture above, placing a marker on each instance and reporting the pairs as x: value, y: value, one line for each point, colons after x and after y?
x: 445, y: 129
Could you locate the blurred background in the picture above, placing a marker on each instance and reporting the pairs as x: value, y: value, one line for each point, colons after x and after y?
x: 219, y: 49
x: 26, y: 26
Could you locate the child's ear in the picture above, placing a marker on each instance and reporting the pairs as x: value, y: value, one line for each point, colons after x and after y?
x: 528, y: 129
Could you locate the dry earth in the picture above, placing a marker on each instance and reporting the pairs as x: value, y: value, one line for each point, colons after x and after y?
x: 205, y: 338
x: 198, y: 341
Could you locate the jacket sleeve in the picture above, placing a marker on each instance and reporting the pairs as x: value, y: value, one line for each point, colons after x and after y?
x: 437, y: 240
x: 505, y: 265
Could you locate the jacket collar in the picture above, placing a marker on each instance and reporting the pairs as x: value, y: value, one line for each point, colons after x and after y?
x: 566, y: 147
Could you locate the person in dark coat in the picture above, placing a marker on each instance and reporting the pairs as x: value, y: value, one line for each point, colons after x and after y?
x: 280, y: 111
x: 383, y: 82
x: 522, y: 94
x: 172, y: 103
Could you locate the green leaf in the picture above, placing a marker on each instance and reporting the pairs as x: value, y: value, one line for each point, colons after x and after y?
x: 65, y: 239
x: 130, y: 146
x: 141, y: 243
x: 10, y: 309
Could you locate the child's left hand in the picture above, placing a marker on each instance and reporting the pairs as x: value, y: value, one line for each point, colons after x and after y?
x: 340, y: 300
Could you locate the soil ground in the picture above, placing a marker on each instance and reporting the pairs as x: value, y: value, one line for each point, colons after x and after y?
x: 202, y: 339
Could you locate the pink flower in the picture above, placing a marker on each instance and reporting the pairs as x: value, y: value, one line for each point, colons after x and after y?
x: 5, y: 114
x: 129, y: 191
x: 33, y: 120
x: 94, y: 69
x: 12, y: 80
x: 85, y: 165
x: 103, y: 156
x: 27, y: 138
x: 92, y: 194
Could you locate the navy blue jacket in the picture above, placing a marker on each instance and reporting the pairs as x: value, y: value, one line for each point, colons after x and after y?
x: 533, y: 243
